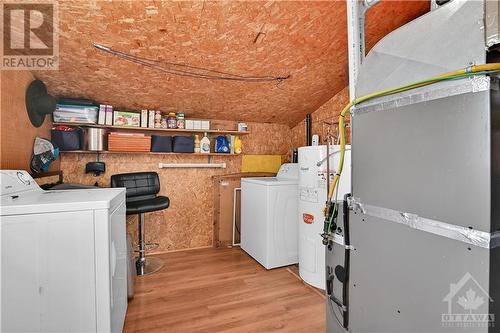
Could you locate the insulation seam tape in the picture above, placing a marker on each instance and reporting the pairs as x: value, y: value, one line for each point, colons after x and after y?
x: 439, y: 90
x: 474, y: 237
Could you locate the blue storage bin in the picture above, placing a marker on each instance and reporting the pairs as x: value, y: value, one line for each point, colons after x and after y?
x: 161, y: 144
x: 183, y: 144
x: 67, y: 140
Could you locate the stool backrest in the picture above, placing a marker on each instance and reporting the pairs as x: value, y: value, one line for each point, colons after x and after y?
x: 139, y: 185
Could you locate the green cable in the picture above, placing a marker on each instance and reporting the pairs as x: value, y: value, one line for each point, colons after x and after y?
x: 404, y: 88
x: 415, y: 85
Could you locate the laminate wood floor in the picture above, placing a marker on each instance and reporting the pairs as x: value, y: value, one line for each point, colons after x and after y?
x: 223, y: 290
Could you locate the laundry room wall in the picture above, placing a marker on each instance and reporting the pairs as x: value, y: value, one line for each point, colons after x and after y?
x: 16, y: 132
x: 376, y: 27
x: 322, y: 119
x: 188, y: 222
x: 306, y: 39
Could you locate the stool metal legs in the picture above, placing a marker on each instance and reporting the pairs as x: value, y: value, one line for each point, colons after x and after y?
x: 145, y: 265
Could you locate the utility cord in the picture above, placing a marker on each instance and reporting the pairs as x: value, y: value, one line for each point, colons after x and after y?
x: 454, y: 75
x: 188, y: 70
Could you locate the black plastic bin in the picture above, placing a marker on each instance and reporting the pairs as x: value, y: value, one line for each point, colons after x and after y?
x: 183, y: 144
x: 161, y: 144
x: 67, y: 140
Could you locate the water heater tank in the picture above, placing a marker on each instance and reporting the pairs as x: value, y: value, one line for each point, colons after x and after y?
x: 312, y: 198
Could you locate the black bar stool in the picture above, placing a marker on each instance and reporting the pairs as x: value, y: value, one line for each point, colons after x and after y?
x: 142, y: 189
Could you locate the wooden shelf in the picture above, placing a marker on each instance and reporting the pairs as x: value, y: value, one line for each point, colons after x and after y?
x: 166, y: 130
x: 144, y: 152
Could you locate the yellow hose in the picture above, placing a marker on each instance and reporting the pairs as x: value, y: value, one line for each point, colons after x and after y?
x: 453, y: 74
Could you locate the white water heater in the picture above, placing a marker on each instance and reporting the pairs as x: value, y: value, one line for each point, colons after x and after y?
x: 312, y: 199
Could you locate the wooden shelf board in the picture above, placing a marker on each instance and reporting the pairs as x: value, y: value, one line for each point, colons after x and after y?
x: 166, y: 130
x: 144, y: 152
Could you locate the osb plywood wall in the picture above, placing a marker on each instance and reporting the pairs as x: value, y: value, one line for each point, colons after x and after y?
x: 323, y: 119
x: 306, y: 39
x: 188, y: 222
x: 380, y: 21
x: 16, y: 132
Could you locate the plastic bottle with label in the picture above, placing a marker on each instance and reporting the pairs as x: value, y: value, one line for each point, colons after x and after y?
x: 196, y: 143
x: 181, y: 122
x: 171, y: 120
x: 237, y: 145
x: 205, y: 144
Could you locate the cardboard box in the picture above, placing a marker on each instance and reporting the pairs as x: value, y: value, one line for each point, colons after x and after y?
x: 121, y: 118
x: 205, y: 124
x: 242, y: 127
x: 109, y: 115
x: 102, y: 115
x: 144, y: 118
x: 126, y: 142
x: 189, y: 124
x: 151, y: 120
x: 197, y: 124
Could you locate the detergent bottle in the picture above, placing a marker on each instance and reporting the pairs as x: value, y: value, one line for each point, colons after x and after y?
x: 205, y: 144
x: 237, y: 145
x: 196, y: 143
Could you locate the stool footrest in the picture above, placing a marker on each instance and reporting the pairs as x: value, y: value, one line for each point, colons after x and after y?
x: 148, y: 265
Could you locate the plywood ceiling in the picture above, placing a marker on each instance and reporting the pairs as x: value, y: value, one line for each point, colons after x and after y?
x: 306, y: 39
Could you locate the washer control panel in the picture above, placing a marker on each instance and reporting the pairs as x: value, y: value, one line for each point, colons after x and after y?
x: 288, y: 171
x: 16, y: 181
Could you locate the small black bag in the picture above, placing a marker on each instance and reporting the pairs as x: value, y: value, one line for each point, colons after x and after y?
x: 67, y: 140
x: 183, y: 144
x: 161, y: 144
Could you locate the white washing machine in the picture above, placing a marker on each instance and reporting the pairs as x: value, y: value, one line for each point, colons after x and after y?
x: 63, y: 258
x: 312, y: 199
x: 269, y: 227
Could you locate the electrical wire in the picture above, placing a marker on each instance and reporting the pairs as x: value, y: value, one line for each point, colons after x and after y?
x: 332, y: 310
x: 457, y: 74
x: 188, y: 70
x: 331, y: 154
